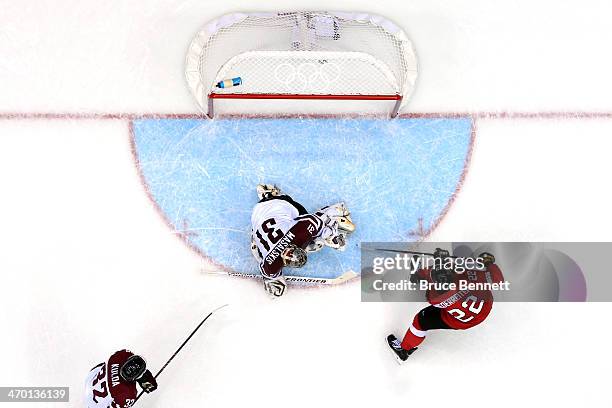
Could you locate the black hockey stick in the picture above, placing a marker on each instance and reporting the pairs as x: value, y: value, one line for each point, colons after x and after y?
x: 181, y: 346
x: 400, y: 251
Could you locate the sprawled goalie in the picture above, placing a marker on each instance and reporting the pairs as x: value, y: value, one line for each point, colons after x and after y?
x: 283, y: 233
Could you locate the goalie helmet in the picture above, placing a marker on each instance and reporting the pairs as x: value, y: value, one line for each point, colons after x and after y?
x: 133, y: 368
x: 294, y: 257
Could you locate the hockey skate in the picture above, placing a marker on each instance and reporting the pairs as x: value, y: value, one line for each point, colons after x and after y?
x: 400, y: 354
x: 267, y: 190
x: 345, y: 223
x: 275, y: 286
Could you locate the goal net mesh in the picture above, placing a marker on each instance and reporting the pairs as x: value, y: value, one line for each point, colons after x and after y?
x: 301, y: 53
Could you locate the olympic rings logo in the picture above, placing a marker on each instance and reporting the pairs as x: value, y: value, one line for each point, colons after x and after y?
x: 307, y: 75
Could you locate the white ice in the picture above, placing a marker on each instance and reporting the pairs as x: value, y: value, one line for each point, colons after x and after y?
x: 78, y: 232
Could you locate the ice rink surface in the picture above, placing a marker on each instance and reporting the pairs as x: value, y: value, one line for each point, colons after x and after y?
x: 394, y: 176
x: 89, y: 266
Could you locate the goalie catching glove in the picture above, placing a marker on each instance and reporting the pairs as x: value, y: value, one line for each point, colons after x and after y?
x: 267, y: 191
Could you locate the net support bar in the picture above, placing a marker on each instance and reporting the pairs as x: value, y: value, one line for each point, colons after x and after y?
x: 394, y: 112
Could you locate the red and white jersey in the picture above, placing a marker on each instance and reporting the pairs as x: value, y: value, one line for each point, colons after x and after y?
x: 104, y: 387
x: 276, y: 224
x: 465, y: 308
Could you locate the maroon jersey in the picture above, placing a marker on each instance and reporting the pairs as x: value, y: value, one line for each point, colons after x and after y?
x: 306, y: 227
x: 105, y: 388
x: 462, y: 309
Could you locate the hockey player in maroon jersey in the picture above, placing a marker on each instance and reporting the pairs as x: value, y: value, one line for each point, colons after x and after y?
x: 283, y: 232
x: 449, y: 309
x: 113, y: 384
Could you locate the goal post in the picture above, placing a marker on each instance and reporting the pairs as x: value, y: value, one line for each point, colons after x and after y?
x: 331, y: 58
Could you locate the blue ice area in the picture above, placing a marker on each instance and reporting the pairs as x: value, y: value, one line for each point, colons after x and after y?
x: 394, y: 175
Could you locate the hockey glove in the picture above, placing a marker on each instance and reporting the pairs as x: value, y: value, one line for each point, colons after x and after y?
x: 414, y: 274
x: 332, y: 236
x: 316, y: 245
x: 441, y: 253
x: 148, y: 382
x: 337, y: 242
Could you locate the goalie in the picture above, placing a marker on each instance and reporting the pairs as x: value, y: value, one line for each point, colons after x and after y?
x: 283, y: 233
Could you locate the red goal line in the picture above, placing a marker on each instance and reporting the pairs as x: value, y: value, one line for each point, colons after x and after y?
x: 474, y: 115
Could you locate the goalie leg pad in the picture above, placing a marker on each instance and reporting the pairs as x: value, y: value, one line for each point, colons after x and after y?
x: 338, y: 212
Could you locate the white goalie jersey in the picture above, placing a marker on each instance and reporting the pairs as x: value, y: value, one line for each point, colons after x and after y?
x: 270, y: 221
x: 280, y: 225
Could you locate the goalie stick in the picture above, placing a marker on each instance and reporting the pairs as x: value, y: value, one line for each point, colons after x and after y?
x: 180, y: 347
x: 345, y: 277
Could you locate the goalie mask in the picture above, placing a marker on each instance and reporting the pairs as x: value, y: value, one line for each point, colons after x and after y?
x: 133, y: 368
x: 293, y: 257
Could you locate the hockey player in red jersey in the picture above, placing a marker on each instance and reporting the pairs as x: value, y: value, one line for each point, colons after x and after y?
x: 449, y: 309
x: 283, y: 232
x: 113, y: 384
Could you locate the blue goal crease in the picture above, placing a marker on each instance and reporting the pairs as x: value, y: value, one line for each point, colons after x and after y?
x: 396, y: 177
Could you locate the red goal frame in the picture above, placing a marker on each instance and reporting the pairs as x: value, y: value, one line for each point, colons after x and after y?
x: 396, y: 97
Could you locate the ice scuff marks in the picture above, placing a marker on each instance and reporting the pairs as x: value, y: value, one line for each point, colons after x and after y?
x: 397, y: 177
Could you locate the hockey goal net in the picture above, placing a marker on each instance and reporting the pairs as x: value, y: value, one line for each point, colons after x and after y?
x: 299, y: 58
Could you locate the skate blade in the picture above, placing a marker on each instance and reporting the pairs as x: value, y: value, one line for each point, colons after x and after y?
x: 397, y: 359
